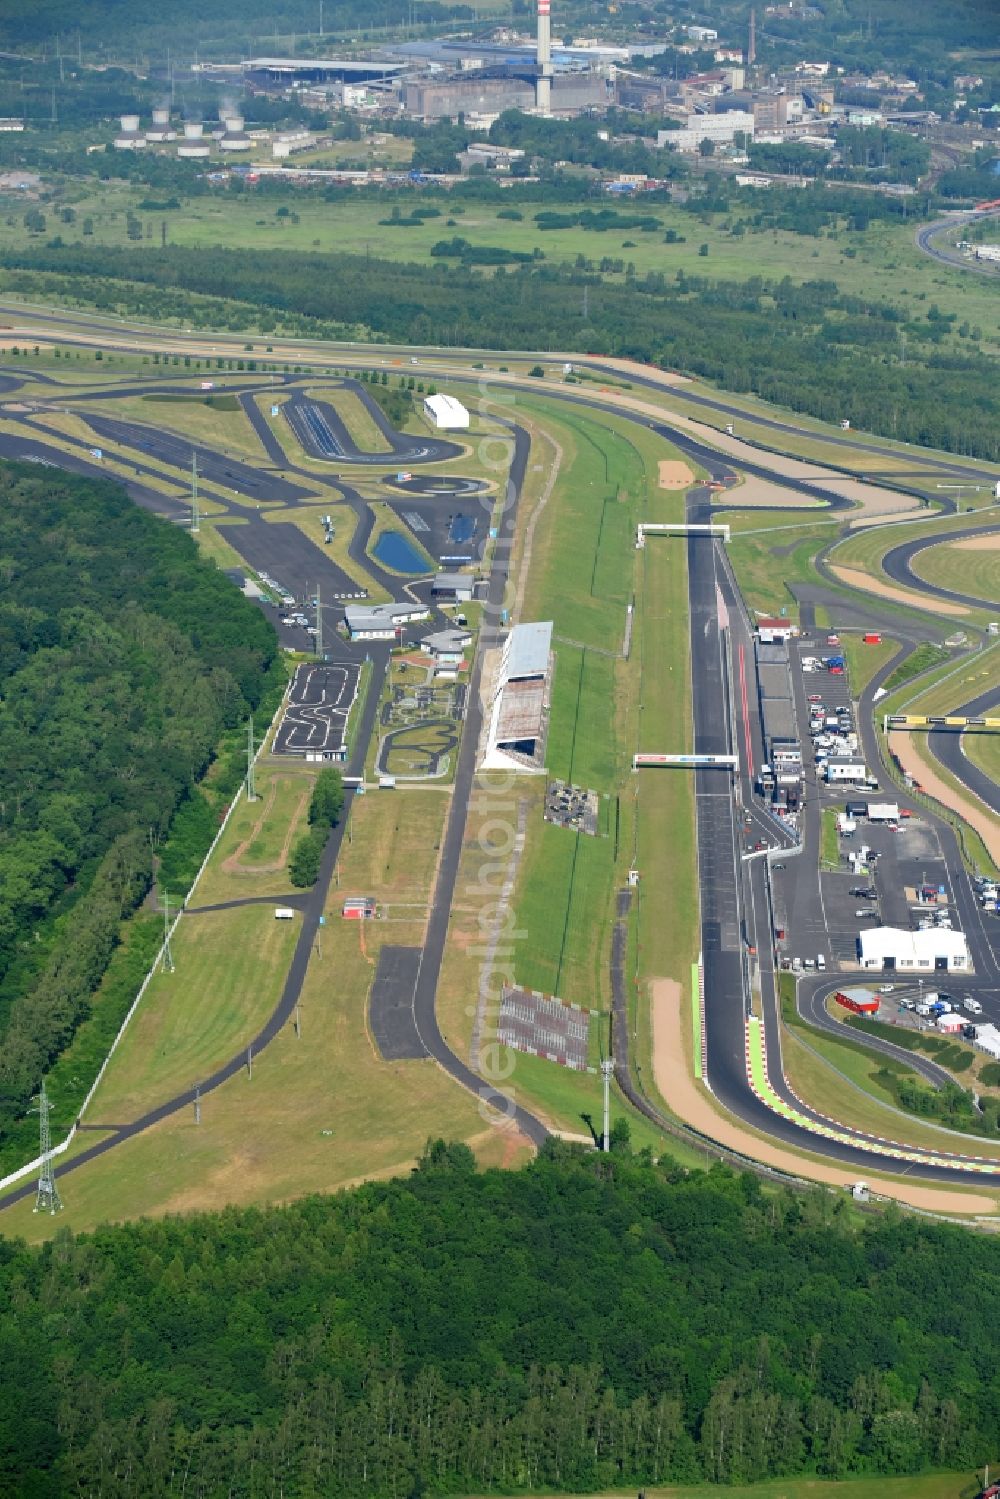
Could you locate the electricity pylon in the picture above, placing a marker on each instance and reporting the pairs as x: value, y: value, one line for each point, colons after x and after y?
x: 47, y: 1199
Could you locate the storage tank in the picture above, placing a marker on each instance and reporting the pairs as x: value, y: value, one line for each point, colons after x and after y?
x: 130, y: 137
x: 235, y: 138
x: 194, y: 143
x: 160, y: 129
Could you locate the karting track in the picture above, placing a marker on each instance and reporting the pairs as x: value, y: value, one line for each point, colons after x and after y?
x: 437, y: 484
x: 319, y: 704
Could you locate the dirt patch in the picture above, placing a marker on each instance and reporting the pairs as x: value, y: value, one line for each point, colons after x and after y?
x: 691, y: 1103
x: 234, y: 864
x: 867, y: 584
x: 765, y: 493
x: 674, y: 474
x: 977, y: 543
x: 968, y: 807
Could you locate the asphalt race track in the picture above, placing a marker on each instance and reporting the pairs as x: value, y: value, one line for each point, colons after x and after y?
x: 731, y: 894
x: 437, y: 484
x: 324, y: 435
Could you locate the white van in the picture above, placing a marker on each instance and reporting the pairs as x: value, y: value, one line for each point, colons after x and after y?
x: 972, y: 1005
x: 821, y: 963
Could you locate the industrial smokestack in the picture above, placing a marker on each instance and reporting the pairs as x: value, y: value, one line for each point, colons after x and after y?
x: 543, y: 86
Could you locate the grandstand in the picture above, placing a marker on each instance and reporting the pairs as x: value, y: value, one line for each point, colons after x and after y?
x: 519, y: 710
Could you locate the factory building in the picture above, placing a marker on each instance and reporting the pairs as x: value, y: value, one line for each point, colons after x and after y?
x: 519, y: 712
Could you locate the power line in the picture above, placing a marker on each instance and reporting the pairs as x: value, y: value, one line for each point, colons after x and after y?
x: 47, y: 1199
x: 194, y: 494
x: 167, y: 964
x: 251, y: 771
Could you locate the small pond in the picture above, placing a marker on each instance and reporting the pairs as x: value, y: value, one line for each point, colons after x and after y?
x: 393, y: 550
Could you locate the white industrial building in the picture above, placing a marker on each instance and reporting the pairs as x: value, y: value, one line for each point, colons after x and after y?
x: 448, y: 647
x: 520, y: 707
x: 447, y: 414
x: 849, y: 770
x: 773, y: 631
x: 891, y: 949
x: 381, y: 621
x: 720, y: 129
x: 289, y: 141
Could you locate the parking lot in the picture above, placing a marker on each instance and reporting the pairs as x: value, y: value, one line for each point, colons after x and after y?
x: 571, y: 807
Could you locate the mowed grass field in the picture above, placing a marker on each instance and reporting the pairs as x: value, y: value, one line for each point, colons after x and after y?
x: 230, y: 967
x: 355, y: 416
x: 768, y: 557
x: 971, y: 566
x: 354, y: 1116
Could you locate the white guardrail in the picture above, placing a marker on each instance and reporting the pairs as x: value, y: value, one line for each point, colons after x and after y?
x: 63, y: 1146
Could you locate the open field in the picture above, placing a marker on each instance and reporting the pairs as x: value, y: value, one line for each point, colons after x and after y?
x: 984, y: 750
x: 767, y: 560
x: 883, y: 262
x: 230, y: 968
x: 863, y: 661
x: 977, y: 674
x: 355, y: 1116
x: 223, y: 430
x: 926, y: 1486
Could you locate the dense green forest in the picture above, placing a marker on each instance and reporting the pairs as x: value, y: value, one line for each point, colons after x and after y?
x: 124, y: 656
x: 810, y: 346
x: 584, y: 1323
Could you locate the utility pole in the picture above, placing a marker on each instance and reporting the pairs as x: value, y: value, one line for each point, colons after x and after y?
x: 319, y: 624
x: 321, y: 17
x: 250, y: 1062
x: 607, y: 1070
x: 167, y: 965
x: 47, y: 1199
x: 251, y: 772
x: 197, y: 1103
x: 195, y: 527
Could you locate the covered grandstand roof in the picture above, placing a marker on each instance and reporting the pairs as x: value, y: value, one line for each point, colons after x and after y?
x: 528, y: 650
